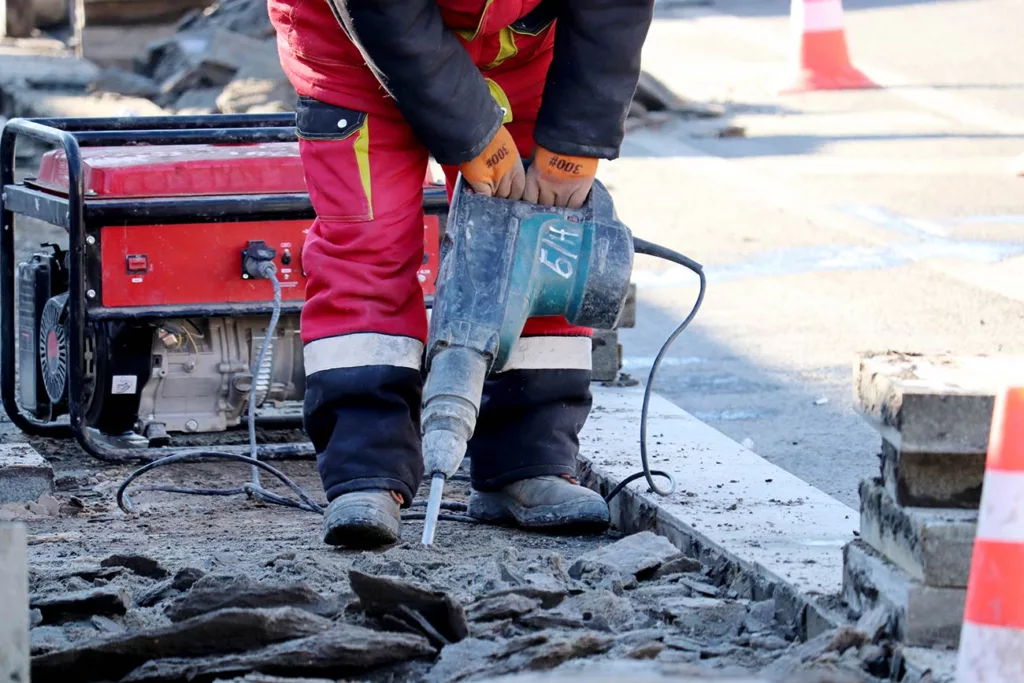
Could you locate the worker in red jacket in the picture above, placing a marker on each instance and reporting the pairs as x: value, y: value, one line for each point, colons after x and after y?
x: 480, y: 85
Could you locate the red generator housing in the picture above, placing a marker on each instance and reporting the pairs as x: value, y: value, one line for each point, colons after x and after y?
x: 176, y: 264
x: 144, y: 324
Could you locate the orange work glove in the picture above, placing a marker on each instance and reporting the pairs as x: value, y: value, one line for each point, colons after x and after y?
x: 559, y: 179
x: 498, y: 170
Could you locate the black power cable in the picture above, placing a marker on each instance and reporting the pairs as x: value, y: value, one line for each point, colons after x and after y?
x: 254, y: 489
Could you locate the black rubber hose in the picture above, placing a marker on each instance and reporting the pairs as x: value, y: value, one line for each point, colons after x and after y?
x: 305, y: 502
x: 658, y: 251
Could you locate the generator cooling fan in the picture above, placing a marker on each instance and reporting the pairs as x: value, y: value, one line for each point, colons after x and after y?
x: 53, y: 348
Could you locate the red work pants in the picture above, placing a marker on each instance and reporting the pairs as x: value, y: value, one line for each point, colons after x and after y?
x: 364, y: 322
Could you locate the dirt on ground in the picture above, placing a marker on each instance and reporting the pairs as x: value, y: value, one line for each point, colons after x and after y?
x: 199, y: 588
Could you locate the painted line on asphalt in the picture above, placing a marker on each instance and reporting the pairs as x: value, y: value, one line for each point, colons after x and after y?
x: 791, y: 200
x: 995, y: 219
x: 845, y: 257
x: 880, y: 166
x: 891, y: 220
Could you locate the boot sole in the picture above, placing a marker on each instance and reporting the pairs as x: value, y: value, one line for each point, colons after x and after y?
x: 578, y: 516
x: 360, y: 526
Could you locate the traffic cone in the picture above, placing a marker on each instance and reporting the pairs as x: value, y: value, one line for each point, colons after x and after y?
x: 821, y: 57
x: 992, y: 639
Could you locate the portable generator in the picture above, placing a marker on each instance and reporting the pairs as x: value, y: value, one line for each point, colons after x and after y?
x: 146, y: 324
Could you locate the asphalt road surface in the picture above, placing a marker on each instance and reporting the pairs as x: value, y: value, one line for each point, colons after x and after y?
x: 839, y: 222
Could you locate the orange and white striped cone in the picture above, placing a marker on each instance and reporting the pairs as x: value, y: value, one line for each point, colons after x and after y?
x: 992, y: 639
x: 821, y: 58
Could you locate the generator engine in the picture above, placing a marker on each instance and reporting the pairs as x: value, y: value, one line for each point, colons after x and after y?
x: 171, y: 322
x: 151, y: 377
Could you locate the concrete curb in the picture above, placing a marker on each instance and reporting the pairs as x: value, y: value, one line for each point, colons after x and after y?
x: 14, y: 640
x: 766, y: 532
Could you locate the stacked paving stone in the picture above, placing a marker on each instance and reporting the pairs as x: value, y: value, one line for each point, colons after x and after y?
x: 14, y: 639
x: 606, y: 350
x: 918, y: 519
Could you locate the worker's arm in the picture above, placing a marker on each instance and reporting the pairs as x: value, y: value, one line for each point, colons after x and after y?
x: 589, y: 88
x: 437, y: 88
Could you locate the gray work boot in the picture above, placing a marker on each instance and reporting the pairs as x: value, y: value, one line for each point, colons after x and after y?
x: 548, y: 502
x: 363, y: 519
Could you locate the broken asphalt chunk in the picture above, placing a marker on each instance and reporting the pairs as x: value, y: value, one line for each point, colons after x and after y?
x: 220, y: 591
x: 639, y: 555
x: 705, y: 616
x: 263, y: 678
x: 461, y: 660
x: 226, y: 631
x: 546, y: 620
x: 699, y: 587
x: 507, y: 606
x: 62, y: 606
x: 45, y: 639
x: 680, y: 565
x: 548, y: 597
x: 139, y: 564
x: 343, y: 647
x: 874, y: 623
x: 559, y: 650
x: 182, y: 580
x: 385, y: 595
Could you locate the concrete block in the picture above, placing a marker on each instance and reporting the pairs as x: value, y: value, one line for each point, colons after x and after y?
x: 27, y: 66
x: 923, y: 616
x: 24, y: 474
x: 932, y: 404
x: 933, y: 545
x: 628, y: 317
x: 606, y: 355
x: 58, y: 104
x: 14, y: 641
x: 210, y: 58
x: 769, y: 533
x: 17, y: 18
x: 933, y: 480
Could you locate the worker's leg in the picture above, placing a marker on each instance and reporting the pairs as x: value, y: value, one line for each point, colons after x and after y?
x: 523, y: 452
x: 363, y: 323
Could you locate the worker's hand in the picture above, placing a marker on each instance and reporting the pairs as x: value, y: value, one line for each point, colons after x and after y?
x: 559, y: 179
x: 498, y: 170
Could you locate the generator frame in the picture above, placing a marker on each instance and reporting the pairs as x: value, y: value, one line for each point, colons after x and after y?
x: 82, y: 216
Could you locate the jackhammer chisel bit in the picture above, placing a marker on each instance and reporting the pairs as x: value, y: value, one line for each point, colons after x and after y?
x: 503, y: 262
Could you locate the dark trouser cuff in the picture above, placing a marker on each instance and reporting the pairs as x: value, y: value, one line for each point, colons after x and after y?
x: 364, y: 425
x: 529, y: 426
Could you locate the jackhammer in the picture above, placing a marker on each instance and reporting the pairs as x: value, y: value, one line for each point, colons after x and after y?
x: 503, y: 262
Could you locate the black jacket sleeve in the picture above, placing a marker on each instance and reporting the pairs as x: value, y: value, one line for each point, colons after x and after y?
x: 428, y: 73
x: 593, y: 76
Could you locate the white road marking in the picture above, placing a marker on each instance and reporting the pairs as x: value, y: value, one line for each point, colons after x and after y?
x: 997, y: 219
x: 789, y: 198
x: 846, y: 166
x: 893, y: 221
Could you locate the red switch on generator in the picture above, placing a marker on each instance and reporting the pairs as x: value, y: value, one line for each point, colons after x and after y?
x: 137, y: 264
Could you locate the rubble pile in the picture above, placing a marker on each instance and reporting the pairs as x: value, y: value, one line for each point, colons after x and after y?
x: 220, y: 60
x: 527, y: 614
x: 223, y: 59
x: 174, y: 594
